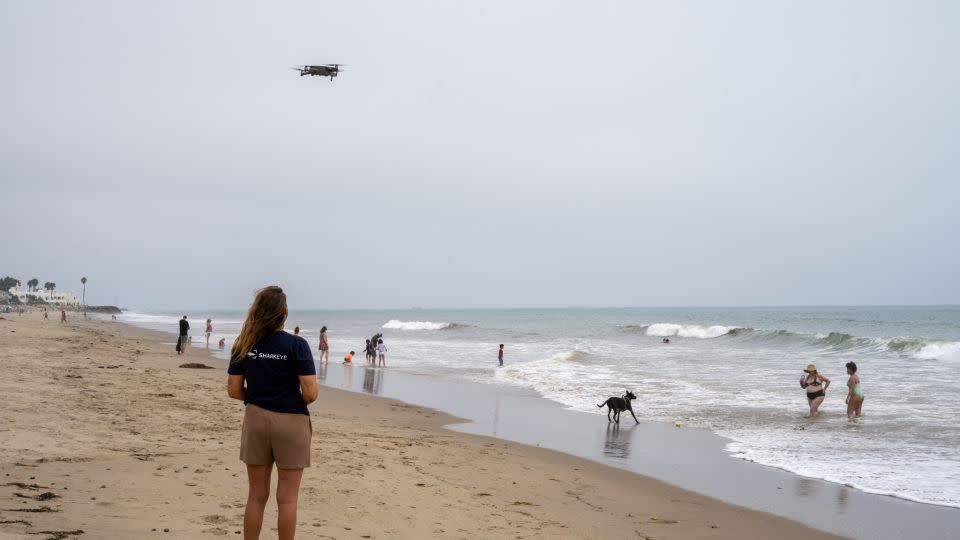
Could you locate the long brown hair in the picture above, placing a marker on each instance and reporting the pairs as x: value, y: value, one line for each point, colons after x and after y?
x: 267, y: 313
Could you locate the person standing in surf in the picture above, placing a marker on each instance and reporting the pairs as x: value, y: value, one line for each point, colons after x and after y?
x: 324, y: 345
x: 208, y: 331
x: 273, y: 373
x: 816, y: 386
x: 500, y: 355
x: 854, y: 392
x: 382, y: 352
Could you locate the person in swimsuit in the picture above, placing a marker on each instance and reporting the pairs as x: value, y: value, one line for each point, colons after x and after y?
x: 208, y: 331
x: 816, y: 386
x: 324, y: 345
x: 854, y: 392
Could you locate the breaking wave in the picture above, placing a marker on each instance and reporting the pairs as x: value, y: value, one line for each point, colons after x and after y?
x: 838, y: 342
x: 684, y: 330
x: 394, y: 324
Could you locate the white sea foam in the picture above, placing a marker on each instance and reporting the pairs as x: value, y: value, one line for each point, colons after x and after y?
x: 947, y: 350
x: 688, y: 330
x: 394, y: 324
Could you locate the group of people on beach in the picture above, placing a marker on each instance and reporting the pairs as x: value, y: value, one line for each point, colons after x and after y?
x: 374, y: 349
x: 816, y: 384
x: 184, y: 339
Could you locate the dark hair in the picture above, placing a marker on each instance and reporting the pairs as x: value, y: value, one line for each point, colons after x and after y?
x: 296, y: 329
x: 852, y: 367
x: 501, y: 345
x: 351, y: 352
x: 267, y: 313
x: 379, y: 341
x: 324, y: 329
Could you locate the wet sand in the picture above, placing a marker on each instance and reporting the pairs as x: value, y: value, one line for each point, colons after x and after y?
x: 104, y: 434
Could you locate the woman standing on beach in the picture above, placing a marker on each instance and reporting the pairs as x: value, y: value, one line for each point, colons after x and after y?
x: 273, y: 373
x: 208, y: 331
x: 854, y: 392
x: 816, y: 386
x: 324, y: 345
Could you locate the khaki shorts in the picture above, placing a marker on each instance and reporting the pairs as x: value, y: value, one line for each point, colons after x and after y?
x: 270, y: 437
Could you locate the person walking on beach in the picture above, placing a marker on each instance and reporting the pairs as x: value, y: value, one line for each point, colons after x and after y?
x: 854, y: 392
x: 324, y: 345
x: 816, y: 386
x: 500, y: 355
x: 273, y: 373
x: 63, y: 316
x: 208, y: 331
x: 45, y: 314
x: 382, y: 352
x: 184, y: 336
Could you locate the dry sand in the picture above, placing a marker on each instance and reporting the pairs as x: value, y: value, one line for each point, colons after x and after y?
x: 102, y: 433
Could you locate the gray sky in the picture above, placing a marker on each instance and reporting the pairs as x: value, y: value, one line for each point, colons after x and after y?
x: 484, y: 154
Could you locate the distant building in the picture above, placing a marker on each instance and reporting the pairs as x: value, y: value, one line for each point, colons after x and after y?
x: 50, y: 297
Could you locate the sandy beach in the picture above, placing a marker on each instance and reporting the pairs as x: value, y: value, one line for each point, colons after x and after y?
x: 105, y: 434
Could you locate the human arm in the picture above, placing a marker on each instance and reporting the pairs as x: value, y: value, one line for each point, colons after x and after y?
x: 826, y: 382
x: 308, y: 388
x: 306, y: 372
x: 235, y: 388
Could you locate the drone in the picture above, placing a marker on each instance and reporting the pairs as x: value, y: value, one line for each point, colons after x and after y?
x: 326, y: 70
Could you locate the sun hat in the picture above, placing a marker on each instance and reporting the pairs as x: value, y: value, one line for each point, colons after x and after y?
x: 811, y: 368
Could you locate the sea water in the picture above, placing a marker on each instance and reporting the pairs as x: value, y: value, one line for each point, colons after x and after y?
x: 734, y: 371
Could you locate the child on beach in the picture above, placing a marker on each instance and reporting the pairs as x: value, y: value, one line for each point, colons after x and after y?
x: 223, y: 341
x: 208, y: 331
x: 500, y: 355
x: 382, y: 352
x: 348, y: 359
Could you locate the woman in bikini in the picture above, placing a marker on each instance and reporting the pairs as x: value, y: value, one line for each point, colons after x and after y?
x: 854, y: 392
x: 816, y: 386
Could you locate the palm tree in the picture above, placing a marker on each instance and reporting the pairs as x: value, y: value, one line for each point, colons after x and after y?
x: 83, y: 281
x: 32, y: 284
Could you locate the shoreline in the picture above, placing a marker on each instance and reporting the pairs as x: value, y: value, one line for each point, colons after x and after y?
x: 695, y: 459
x: 134, y: 445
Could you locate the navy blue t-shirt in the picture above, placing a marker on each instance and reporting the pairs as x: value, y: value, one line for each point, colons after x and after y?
x: 272, y: 371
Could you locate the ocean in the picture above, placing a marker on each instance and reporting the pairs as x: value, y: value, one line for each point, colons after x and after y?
x: 734, y: 371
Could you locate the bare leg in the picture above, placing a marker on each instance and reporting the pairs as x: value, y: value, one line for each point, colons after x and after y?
x: 259, y: 478
x: 815, y: 405
x: 288, y: 489
x: 859, y: 407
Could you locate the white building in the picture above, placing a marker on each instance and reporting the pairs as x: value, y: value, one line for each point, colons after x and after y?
x: 50, y: 297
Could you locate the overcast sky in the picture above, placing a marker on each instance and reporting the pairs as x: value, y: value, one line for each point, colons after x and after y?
x: 483, y: 154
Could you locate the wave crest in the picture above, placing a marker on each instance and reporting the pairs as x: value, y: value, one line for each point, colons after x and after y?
x: 688, y: 330
x: 395, y: 324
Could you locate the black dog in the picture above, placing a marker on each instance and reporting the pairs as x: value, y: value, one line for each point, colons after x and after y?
x: 617, y: 405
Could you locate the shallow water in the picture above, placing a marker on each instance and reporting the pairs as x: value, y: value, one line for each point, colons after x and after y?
x: 733, y: 371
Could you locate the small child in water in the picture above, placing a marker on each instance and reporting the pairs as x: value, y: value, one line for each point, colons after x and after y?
x: 500, y: 355
x: 348, y: 359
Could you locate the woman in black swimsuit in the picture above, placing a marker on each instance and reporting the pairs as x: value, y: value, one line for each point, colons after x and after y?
x: 816, y: 386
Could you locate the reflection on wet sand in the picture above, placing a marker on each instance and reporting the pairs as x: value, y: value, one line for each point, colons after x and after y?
x: 372, y: 380
x: 617, y: 443
x: 805, y: 487
x: 347, y: 376
x: 322, y: 372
